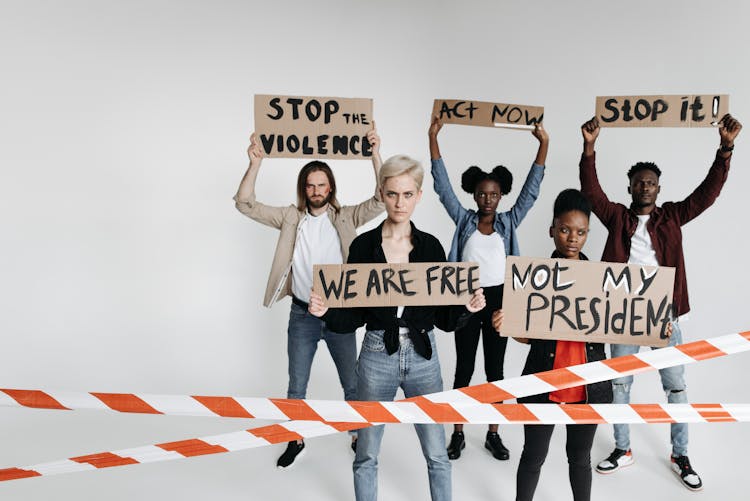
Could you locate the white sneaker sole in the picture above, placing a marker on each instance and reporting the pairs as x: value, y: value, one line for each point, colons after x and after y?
x: 682, y: 483
x: 607, y: 472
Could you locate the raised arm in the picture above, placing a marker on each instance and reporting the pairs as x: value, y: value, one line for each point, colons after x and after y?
x: 541, y: 135
x: 441, y: 181
x: 245, y: 201
x: 590, y: 187
x: 246, y: 191
x: 706, y: 193
x: 367, y: 210
x: 377, y: 162
x: 530, y: 190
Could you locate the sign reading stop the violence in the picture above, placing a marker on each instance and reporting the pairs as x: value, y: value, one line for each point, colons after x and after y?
x: 313, y: 127
x: 662, y: 111
x: 587, y: 301
x: 406, y: 284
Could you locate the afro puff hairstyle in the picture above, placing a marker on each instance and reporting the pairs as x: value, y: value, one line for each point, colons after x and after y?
x: 472, y: 176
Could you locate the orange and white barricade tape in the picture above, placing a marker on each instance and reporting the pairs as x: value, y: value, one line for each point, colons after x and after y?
x: 362, y: 412
x: 312, y: 418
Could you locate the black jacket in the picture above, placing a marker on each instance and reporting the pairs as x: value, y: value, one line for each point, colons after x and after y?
x: 542, y: 358
x: 367, y: 248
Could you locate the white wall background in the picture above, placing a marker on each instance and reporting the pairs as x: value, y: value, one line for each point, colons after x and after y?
x: 124, y: 266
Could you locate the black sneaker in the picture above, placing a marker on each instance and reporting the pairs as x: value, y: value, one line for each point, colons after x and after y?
x: 457, y: 445
x: 292, y: 452
x: 618, y: 459
x: 690, y: 479
x: 495, y: 446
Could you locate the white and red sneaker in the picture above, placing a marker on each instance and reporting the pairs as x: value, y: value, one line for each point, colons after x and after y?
x: 618, y: 459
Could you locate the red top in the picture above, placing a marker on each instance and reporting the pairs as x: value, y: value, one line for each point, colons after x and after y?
x: 568, y: 353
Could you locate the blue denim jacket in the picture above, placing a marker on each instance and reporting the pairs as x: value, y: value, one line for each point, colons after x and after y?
x: 466, y: 219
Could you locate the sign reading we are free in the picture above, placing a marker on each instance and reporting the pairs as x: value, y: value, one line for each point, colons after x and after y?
x: 406, y: 284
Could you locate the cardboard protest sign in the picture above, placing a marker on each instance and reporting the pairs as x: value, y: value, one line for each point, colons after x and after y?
x: 319, y: 127
x: 662, y: 111
x: 516, y: 116
x: 406, y: 284
x: 587, y: 301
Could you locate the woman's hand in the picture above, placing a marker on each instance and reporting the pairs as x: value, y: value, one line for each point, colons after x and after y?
x: 316, y: 307
x: 477, y: 301
x: 497, y: 320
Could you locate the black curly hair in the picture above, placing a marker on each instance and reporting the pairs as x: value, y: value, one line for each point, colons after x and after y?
x: 570, y: 200
x: 644, y: 166
x: 474, y: 175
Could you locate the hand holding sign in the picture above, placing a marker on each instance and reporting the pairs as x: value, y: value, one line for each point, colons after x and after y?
x: 729, y: 128
x: 590, y: 131
x: 254, y: 151
x: 374, y: 139
x: 316, y: 307
x: 478, y: 302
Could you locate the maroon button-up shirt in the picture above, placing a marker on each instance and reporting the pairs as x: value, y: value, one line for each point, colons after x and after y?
x: 664, y: 225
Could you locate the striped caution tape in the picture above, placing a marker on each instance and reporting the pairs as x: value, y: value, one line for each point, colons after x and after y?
x: 480, y: 414
x: 454, y: 406
x: 364, y: 412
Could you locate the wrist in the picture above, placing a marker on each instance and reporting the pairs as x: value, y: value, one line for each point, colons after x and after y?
x: 726, y: 147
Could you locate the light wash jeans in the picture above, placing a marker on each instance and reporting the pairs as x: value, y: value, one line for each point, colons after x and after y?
x: 379, y: 375
x: 304, y: 332
x: 673, y: 382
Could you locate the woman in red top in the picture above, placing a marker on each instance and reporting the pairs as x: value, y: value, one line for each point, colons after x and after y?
x: 570, y: 227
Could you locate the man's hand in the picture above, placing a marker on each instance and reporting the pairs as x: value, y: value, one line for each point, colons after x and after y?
x: 729, y: 127
x: 316, y: 307
x: 374, y: 139
x: 590, y: 131
x: 540, y: 134
x: 477, y: 301
x: 254, y: 152
x: 435, y: 126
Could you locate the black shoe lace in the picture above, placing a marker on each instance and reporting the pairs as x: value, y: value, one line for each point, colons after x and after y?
x: 684, y: 463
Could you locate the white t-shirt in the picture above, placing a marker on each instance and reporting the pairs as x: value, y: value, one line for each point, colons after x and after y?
x: 489, y: 252
x: 317, y: 242
x: 641, y: 249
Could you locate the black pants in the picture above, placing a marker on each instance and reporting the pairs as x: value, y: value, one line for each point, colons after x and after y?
x: 467, y: 341
x: 535, y: 447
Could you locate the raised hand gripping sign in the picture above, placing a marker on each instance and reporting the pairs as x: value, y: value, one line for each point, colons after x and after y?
x: 483, y: 114
x: 587, y: 301
x: 313, y: 127
x: 678, y: 110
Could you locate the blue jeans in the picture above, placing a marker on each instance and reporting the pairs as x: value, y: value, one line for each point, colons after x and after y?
x: 673, y: 382
x: 379, y: 376
x: 304, y: 332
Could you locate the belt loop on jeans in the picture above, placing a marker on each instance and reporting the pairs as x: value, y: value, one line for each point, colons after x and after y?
x: 299, y: 302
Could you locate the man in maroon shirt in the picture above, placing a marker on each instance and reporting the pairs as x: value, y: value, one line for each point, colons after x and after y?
x: 651, y: 235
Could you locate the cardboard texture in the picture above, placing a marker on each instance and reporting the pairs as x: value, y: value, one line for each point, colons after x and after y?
x: 466, y: 112
x: 313, y: 127
x: 587, y: 301
x: 407, y: 284
x: 679, y: 110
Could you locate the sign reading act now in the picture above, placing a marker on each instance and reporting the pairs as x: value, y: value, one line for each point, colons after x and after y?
x: 587, y: 301
x: 407, y: 284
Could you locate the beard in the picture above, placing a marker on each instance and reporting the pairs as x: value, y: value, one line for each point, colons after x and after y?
x: 319, y: 202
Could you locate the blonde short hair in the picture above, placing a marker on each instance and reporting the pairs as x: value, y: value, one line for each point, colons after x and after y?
x: 401, y: 164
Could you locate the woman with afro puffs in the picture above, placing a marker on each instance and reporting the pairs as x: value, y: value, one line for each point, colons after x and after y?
x: 485, y: 236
